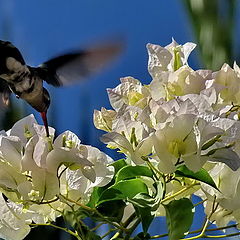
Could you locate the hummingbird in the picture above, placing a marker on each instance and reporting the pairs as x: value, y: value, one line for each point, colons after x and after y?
x: 26, y: 82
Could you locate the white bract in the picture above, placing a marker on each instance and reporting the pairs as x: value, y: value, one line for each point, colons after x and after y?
x: 227, y: 197
x: 35, y: 169
x: 183, y: 117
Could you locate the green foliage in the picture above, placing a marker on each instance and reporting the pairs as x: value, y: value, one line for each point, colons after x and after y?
x: 116, y: 208
x: 179, y: 215
x: 119, y: 164
x: 202, y: 175
x: 128, y: 172
x: 125, y: 189
x: 147, y: 205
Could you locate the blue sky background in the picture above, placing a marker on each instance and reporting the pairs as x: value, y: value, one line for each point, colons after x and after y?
x: 43, y: 29
x: 46, y: 28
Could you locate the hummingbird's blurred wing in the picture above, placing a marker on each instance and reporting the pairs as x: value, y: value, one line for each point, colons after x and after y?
x: 5, y: 93
x: 69, y: 68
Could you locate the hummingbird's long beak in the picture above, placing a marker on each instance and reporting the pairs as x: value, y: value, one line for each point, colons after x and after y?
x: 44, y: 118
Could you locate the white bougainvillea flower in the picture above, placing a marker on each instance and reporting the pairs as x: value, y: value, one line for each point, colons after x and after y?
x: 168, y: 58
x: 221, y: 216
x: 83, y: 180
x: 220, y: 140
x: 186, y: 81
x: 34, y: 169
x: 127, y: 124
x: 30, y: 161
x: 88, y: 166
x: 13, y: 221
x: 12, y: 181
x: 45, y: 213
x: 163, y: 113
x: 103, y: 119
x: 202, y: 102
x: 45, y: 184
x: 207, y: 128
x: 27, y: 127
x: 10, y: 150
x: 67, y: 150
x: 226, y: 81
x: 129, y: 92
x: 181, y: 82
x: 228, y: 183
x: 134, y: 153
x: 175, y: 142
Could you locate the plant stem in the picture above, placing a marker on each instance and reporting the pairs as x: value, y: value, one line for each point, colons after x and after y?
x: 125, y: 224
x: 200, y: 202
x: 222, y: 236
x: 179, y: 192
x: 97, y: 226
x: 108, y: 232
x: 131, y: 230
x: 57, y: 227
x: 79, y: 204
x: 205, y: 225
x: 41, y: 202
x: 201, y: 234
x: 96, y: 212
x: 198, y: 231
x: 153, y: 168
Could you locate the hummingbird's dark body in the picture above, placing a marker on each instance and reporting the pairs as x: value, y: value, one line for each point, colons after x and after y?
x: 27, y: 82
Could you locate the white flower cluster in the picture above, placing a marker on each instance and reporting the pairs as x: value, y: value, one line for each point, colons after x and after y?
x: 182, y: 117
x: 36, y: 173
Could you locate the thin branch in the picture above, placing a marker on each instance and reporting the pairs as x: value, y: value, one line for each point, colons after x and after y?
x: 94, y: 211
x: 57, y: 227
x: 199, y: 230
x: 222, y: 236
x: 97, y: 226
x: 125, y: 224
x: 200, y: 202
x: 179, y: 192
x: 108, y: 232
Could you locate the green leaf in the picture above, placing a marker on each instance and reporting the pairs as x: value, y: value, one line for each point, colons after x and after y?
x: 112, y: 209
x: 131, y: 187
x: 202, y: 175
x: 119, y: 164
x: 143, y: 200
x: 97, y: 191
x: 147, y: 205
x: 146, y: 216
x: 87, y: 234
x: 123, y: 190
x: 83, y: 231
x: 159, y: 191
x: 129, y: 172
x: 111, y: 194
x: 179, y: 214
